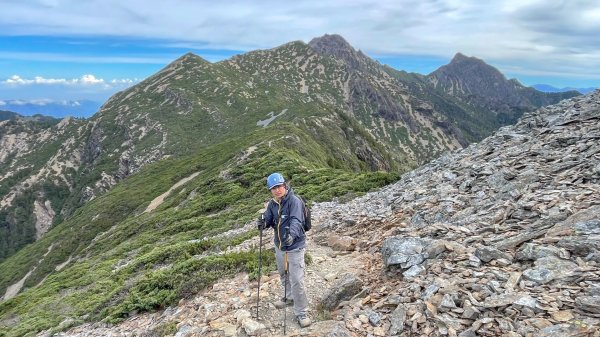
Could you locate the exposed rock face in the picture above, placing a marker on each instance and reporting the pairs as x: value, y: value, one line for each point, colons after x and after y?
x: 336, y: 46
x: 364, y: 83
x: 44, y: 215
x: 93, y: 145
x: 38, y: 156
x: 388, y: 107
x: 374, y: 159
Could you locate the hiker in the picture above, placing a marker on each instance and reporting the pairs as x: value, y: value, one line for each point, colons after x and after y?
x: 285, y: 214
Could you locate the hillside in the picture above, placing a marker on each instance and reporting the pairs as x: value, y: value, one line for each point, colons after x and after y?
x: 499, y: 239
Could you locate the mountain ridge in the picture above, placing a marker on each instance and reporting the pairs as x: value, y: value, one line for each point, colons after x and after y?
x: 550, y: 88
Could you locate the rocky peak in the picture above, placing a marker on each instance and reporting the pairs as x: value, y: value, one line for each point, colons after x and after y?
x: 460, y: 57
x: 189, y: 56
x: 470, y: 70
x: 331, y: 44
x: 336, y: 46
x: 187, y: 60
x: 481, y: 85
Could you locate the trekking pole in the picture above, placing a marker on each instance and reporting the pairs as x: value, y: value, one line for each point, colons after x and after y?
x: 259, y: 268
x: 285, y: 263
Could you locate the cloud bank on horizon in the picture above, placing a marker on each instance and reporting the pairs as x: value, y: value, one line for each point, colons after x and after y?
x: 48, y: 41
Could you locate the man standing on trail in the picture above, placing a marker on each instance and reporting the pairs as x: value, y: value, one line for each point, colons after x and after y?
x: 285, y: 214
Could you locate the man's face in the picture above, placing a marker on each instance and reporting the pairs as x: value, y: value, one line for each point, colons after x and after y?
x: 278, y: 191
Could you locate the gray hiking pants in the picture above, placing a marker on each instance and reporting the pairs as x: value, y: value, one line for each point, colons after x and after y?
x: 295, y: 278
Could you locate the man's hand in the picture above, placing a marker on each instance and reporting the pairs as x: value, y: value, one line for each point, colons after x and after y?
x: 289, y: 240
x: 260, y: 222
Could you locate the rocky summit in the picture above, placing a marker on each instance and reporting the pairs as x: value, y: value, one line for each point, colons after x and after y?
x: 499, y: 239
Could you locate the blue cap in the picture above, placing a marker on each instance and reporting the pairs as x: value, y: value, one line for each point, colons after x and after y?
x: 274, y: 180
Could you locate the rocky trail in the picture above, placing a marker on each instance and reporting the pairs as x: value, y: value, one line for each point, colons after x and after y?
x: 499, y: 239
x: 228, y: 308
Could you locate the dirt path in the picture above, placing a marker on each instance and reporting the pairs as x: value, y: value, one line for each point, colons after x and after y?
x: 321, y: 276
x: 159, y: 200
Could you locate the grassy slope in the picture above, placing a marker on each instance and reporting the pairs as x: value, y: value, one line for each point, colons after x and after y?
x: 127, y: 261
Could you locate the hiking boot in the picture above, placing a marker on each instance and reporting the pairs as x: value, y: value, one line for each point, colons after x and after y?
x: 303, y: 320
x: 282, y: 302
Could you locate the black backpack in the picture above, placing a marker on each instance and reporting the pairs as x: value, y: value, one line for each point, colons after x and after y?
x: 307, y: 221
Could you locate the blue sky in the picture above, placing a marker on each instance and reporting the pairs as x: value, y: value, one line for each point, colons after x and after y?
x: 89, y: 49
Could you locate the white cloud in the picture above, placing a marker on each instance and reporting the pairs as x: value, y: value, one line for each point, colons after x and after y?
x: 60, y: 89
x: 16, y: 80
x: 85, y: 80
x: 18, y: 102
x: 41, y: 102
x: 393, y: 26
x: 90, y: 79
x: 41, y: 80
x: 45, y: 101
x: 124, y: 81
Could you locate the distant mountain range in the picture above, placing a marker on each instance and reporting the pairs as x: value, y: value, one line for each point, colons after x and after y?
x: 549, y: 88
x: 57, y: 109
x: 4, y: 115
x: 87, y: 108
x: 9, y: 115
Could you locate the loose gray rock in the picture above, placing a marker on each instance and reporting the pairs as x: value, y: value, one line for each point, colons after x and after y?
x: 405, y: 252
x: 550, y: 268
x: 375, y: 318
x: 413, y: 272
x: 564, y: 330
x: 589, y: 303
x: 339, y: 330
x: 348, y: 286
x: 430, y: 291
x: 486, y: 254
x: 397, y: 319
x: 531, y: 251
